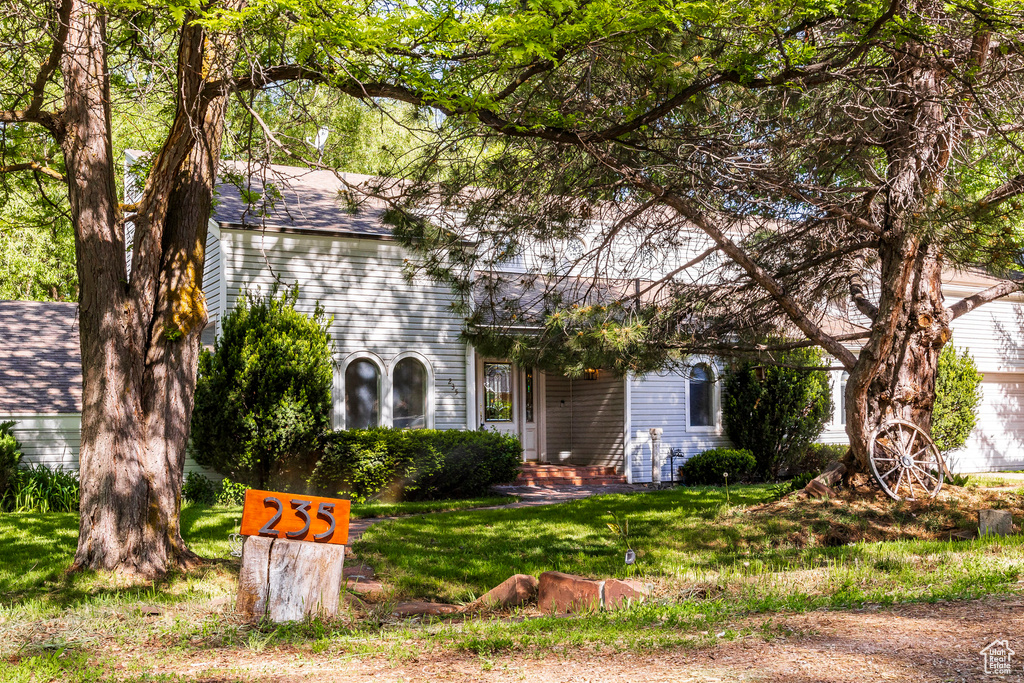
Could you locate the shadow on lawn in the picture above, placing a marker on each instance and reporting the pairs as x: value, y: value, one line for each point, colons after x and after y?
x: 37, y: 550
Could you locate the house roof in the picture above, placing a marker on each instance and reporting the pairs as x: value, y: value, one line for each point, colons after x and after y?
x: 41, y: 372
x: 301, y: 200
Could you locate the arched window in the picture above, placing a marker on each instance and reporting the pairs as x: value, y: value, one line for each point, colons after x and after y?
x: 409, y: 394
x: 842, y: 397
x: 702, y: 398
x: 362, y: 395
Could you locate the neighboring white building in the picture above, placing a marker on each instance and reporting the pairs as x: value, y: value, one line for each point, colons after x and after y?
x: 401, y: 361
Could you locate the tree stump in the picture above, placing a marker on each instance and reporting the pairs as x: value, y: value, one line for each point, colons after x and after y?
x: 289, y: 580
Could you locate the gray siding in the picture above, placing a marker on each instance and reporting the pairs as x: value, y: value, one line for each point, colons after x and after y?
x: 659, y: 400
x: 212, y: 284
x: 585, y: 420
x: 50, y: 440
x: 54, y: 440
x: 360, y: 283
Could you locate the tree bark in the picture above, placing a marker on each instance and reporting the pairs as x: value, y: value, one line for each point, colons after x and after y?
x: 139, y: 339
x: 895, y: 373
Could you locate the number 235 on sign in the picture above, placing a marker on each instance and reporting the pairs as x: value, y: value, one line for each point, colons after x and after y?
x: 295, y: 517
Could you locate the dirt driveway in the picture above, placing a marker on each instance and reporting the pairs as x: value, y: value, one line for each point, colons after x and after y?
x: 940, y: 642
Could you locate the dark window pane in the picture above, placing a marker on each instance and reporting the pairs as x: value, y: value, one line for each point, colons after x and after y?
x: 498, y: 392
x: 409, y: 410
x: 701, y: 398
x: 362, y: 395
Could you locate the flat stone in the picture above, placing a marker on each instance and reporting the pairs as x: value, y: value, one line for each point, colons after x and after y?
x: 151, y: 611
x: 362, y: 571
x: 514, y: 591
x: 418, y: 608
x: 620, y: 593
x: 371, y: 589
x: 995, y: 522
x: 560, y: 593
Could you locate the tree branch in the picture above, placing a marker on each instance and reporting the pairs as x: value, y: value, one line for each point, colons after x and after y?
x: 859, y: 295
x: 33, y: 166
x: 994, y: 292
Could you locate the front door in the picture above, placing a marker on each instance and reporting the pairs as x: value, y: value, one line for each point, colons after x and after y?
x: 532, y: 431
x: 512, y: 402
x: 498, y: 396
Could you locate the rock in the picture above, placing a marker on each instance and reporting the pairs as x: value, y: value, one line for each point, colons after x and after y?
x: 512, y: 592
x: 963, y: 535
x: 361, y: 571
x: 418, y: 608
x: 151, y: 611
x: 371, y: 589
x: 815, y: 489
x: 621, y: 593
x: 560, y: 593
x: 219, y: 602
x: 995, y: 522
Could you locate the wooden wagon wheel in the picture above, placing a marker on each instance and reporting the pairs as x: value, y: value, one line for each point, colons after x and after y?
x: 905, y: 461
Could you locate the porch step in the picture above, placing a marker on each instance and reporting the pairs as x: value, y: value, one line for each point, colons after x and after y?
x: 533, y: 474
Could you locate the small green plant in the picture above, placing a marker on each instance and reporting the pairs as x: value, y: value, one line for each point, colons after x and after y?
x: 199, y: 489
x: 41, y: 489
x: 202, y: 490
x: 10, y: 457
x: 621, y: 531
x: 960, y: 480
x: 708, y: 467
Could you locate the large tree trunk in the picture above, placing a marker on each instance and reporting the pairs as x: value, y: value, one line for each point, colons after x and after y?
x: 139, y: 340
x: 895, y: 374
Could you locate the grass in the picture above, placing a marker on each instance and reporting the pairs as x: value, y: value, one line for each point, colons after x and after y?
x: 36, y: 548
x: 720, y: 571
x: 680, y: 535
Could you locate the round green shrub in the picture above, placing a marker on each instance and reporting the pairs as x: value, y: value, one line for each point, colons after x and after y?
x: 708, y: 467
x: 957, y: 397
x: 420, y: 464
x: 778, y: 414
x: 263, y: 397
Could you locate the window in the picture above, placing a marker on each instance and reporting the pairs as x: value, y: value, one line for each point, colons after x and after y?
x: 498, y: 392
x: 842, y: 398
x: 362, y: 395
x: 409, y: 394
x: 528, y: 395
x: 702, y: 398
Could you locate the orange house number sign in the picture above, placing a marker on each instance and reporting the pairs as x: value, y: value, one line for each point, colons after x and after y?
x: 296, y: 518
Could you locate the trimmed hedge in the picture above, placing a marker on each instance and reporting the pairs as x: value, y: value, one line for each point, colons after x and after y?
x: 203, y: 490
x: 708, y: 466
x: 420, y: 464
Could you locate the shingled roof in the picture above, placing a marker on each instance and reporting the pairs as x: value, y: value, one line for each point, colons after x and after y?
x: 304, y: 201
x: 41, y: 366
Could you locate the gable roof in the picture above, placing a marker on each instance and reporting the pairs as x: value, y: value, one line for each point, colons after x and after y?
x: 309, y: 202
x: 41, y: 372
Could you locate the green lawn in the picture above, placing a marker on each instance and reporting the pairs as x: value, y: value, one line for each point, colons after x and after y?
x: 719, y: 571
x: 36, y: 548
x: 691, y: 535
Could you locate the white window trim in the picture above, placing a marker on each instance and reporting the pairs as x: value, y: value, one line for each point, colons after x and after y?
x: 383, y: 389
x: 429, y: 406
x: 716, y: 396
x: 837, y: 401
